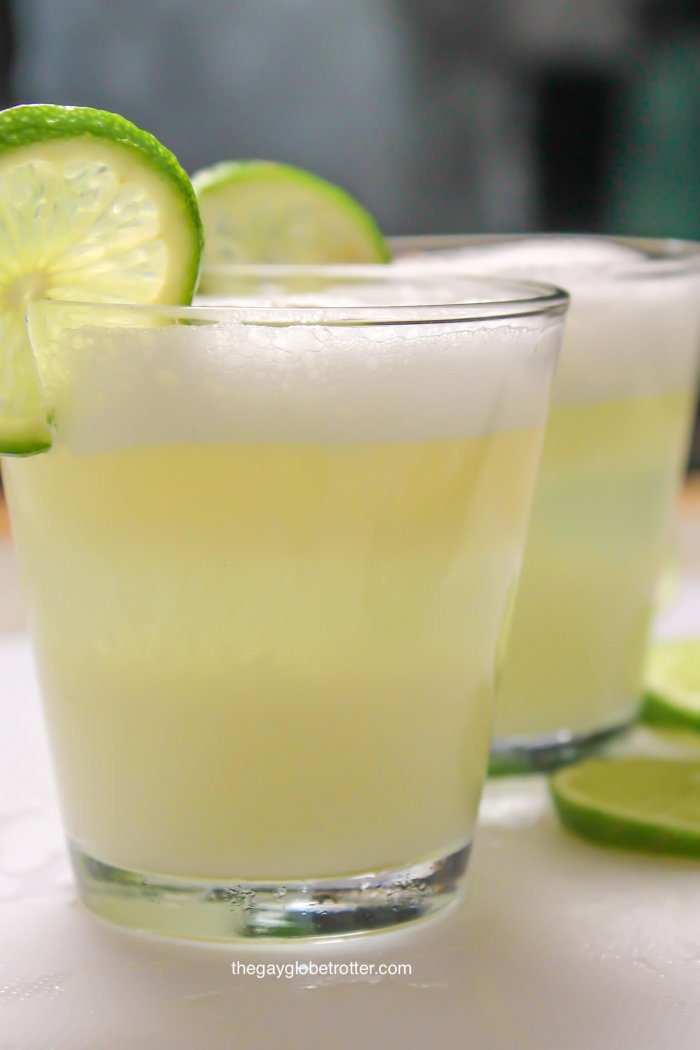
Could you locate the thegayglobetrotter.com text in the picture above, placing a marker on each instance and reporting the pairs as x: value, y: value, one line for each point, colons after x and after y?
x: 311, y: 968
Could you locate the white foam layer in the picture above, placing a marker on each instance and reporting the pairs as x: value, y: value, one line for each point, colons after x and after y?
x: 542, y: 258
x: 633, y: 327
x: 123, y: 387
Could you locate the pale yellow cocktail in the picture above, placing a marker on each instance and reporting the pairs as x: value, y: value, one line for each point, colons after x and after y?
x: 613, y: 455
x: 581, y: 626
x: 269, y: 568
x: 238, y: 643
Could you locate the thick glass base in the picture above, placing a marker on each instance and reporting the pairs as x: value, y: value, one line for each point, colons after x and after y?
x: 222, y: 911
x: 542, y: 754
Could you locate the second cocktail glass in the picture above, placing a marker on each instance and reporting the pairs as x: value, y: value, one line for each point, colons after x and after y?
x: 614, y: 452
x: 269, y: 561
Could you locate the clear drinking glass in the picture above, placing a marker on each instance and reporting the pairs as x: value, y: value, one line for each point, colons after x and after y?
x: 616, y: 441
x: 269, y: 559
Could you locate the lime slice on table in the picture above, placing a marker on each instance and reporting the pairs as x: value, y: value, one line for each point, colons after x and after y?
x: 672, y: 693
x: 91, y: 208
x: 257, y: 211
x: 650, y: 804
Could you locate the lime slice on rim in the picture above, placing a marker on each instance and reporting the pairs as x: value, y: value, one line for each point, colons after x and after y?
x: 650, y: 804
x: 673, y: 684
x: 91, y: 208
x: 257, y: 211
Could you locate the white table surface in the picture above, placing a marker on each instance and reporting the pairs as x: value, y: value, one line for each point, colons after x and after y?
x: 560, y: 945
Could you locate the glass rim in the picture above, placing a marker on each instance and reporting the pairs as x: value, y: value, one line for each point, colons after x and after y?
x: 518, y: 297
x: 659, y: 256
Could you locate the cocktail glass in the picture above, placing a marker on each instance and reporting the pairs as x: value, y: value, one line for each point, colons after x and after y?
x: 614, y: 452
x: 269, y: 560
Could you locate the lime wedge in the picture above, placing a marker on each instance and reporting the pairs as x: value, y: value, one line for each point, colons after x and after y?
x: 91, y: 208
x: 257, y: 211
x: 650, y: 804
x: 673, y: 684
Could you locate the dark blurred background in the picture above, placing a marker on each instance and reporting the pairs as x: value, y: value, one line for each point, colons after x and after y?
x: 440, y: 115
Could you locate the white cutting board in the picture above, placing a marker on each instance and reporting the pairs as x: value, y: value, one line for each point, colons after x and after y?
x: 559, y: 946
